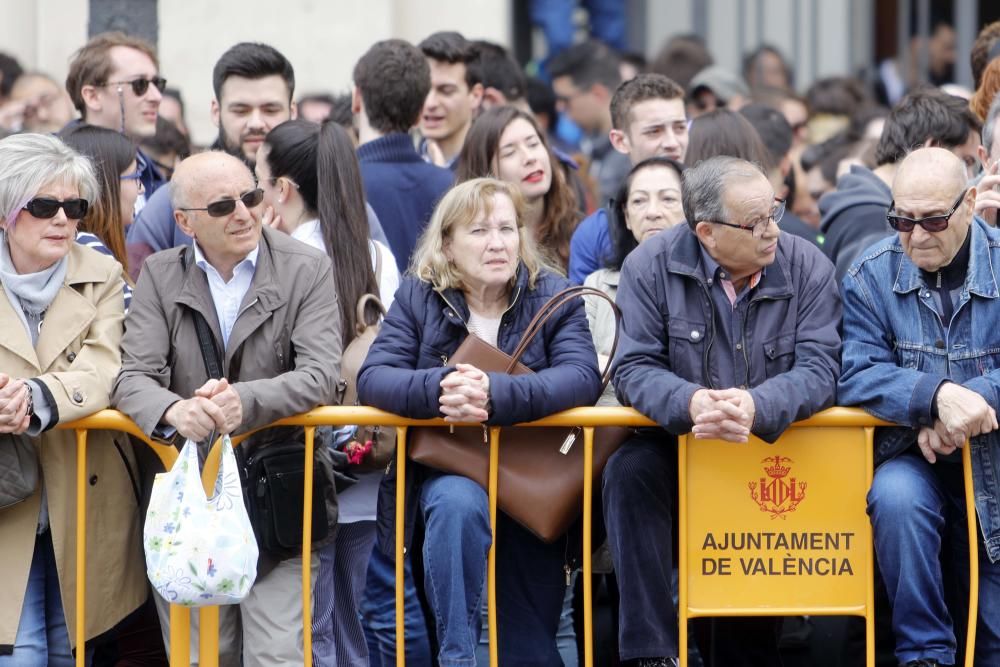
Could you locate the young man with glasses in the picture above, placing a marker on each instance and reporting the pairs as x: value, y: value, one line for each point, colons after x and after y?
x: 920, y: 314
x: 114, y: 82
x: 730, y: 328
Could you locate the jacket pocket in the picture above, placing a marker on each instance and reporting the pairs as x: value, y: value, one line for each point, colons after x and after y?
x: 909, y: 356
x: 686, y: 348
x: 283, y: 351
x: 779, y: 354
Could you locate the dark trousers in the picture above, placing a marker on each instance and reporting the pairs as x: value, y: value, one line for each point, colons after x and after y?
x: 639, y: 489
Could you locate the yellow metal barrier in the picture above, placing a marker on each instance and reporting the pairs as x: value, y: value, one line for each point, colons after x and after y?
x: 588, y: 418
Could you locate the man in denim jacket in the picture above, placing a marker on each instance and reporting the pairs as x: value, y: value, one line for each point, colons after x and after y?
x: 921, y: 311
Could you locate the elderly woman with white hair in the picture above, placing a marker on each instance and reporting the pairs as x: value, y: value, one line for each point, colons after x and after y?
x: 61, y: 311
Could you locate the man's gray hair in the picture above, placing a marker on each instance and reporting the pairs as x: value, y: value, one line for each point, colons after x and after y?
x: 29, y: 162
x: 705, y: 183
x: 989, y: 127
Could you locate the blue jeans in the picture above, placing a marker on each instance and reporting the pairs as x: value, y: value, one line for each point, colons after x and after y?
x: 565, y: 637
x: 917, y: 508
x: 531, y: 580
x: 42, y: 635
x: 378, y: 612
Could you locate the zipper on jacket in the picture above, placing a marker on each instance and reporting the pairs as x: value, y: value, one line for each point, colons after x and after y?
x: 513, y: 302
x: 247, y: 307
x: 457, y: 314
x: 711, y: 338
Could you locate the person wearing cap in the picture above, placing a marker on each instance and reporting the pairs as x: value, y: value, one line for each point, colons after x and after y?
x: 716, y: 87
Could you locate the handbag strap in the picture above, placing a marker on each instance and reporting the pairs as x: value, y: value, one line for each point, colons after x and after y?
x: 378, y: 265
x: 550, y: 307
x: 360, y: 324
x: 208, y: 352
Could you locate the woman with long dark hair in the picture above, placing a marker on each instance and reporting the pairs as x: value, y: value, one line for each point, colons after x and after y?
x: 312, y: 183
x: 114, y: 160
x: 506, y: 143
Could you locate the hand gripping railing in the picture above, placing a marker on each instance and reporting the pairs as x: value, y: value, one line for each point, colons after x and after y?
x: 588, y: 418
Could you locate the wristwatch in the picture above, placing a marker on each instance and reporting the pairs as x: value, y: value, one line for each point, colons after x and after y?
x: 31, y: 402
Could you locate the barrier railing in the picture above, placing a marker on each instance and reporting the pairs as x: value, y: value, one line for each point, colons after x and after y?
x: 588, y: 419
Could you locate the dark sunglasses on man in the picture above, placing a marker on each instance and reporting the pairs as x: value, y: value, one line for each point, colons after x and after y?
x: 141, y: 85
x: 224, y: 207
x: 44, y: 208
x: 931, y: 223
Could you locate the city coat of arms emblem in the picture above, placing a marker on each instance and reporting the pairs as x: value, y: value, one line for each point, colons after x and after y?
x: 777, y: 493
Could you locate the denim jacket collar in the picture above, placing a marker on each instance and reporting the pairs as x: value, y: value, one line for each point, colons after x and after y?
x: 981, y: 279
x: 685, y: 259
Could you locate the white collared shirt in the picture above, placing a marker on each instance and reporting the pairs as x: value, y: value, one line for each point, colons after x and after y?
x: 310, y: 233
x: 228, y: 296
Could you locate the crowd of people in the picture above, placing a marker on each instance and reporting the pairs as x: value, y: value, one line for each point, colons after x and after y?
x: 771, y: 254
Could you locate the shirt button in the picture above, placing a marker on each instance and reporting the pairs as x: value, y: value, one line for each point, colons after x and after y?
x: 71, y: 357
x: 739, y: 346
x: 77, y: 397
x: 93, y: 480
x: 743, y: 386
x: 695, y: 335
x: 939, y: 344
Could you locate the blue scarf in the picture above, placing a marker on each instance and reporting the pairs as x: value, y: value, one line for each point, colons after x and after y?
x: 30, y: 293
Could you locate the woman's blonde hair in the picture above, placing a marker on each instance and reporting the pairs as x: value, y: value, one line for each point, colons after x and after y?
x: 461, y: 206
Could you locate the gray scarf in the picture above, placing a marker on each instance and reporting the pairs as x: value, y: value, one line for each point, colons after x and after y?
x: 30, y: 293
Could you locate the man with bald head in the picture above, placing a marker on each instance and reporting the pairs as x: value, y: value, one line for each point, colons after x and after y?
x: 270, y: 307
x: 920, y: 349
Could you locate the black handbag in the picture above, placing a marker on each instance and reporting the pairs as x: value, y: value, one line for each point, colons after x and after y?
x: 273, y: 480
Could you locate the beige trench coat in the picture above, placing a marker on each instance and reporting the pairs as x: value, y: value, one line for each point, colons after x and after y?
x: 76, y: 358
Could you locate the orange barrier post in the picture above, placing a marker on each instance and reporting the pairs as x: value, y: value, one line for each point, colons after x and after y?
x: 970, y: 511
x: 81, y: 546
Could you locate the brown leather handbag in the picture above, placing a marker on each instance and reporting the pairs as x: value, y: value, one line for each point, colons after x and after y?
x: 541, y: 469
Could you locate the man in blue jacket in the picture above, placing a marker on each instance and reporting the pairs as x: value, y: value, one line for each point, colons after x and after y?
x: 730, y: 328
x: 391, y: 82
x: 920, y: 317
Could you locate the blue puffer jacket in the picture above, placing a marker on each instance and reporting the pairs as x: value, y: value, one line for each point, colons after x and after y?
x: 409, y: 358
